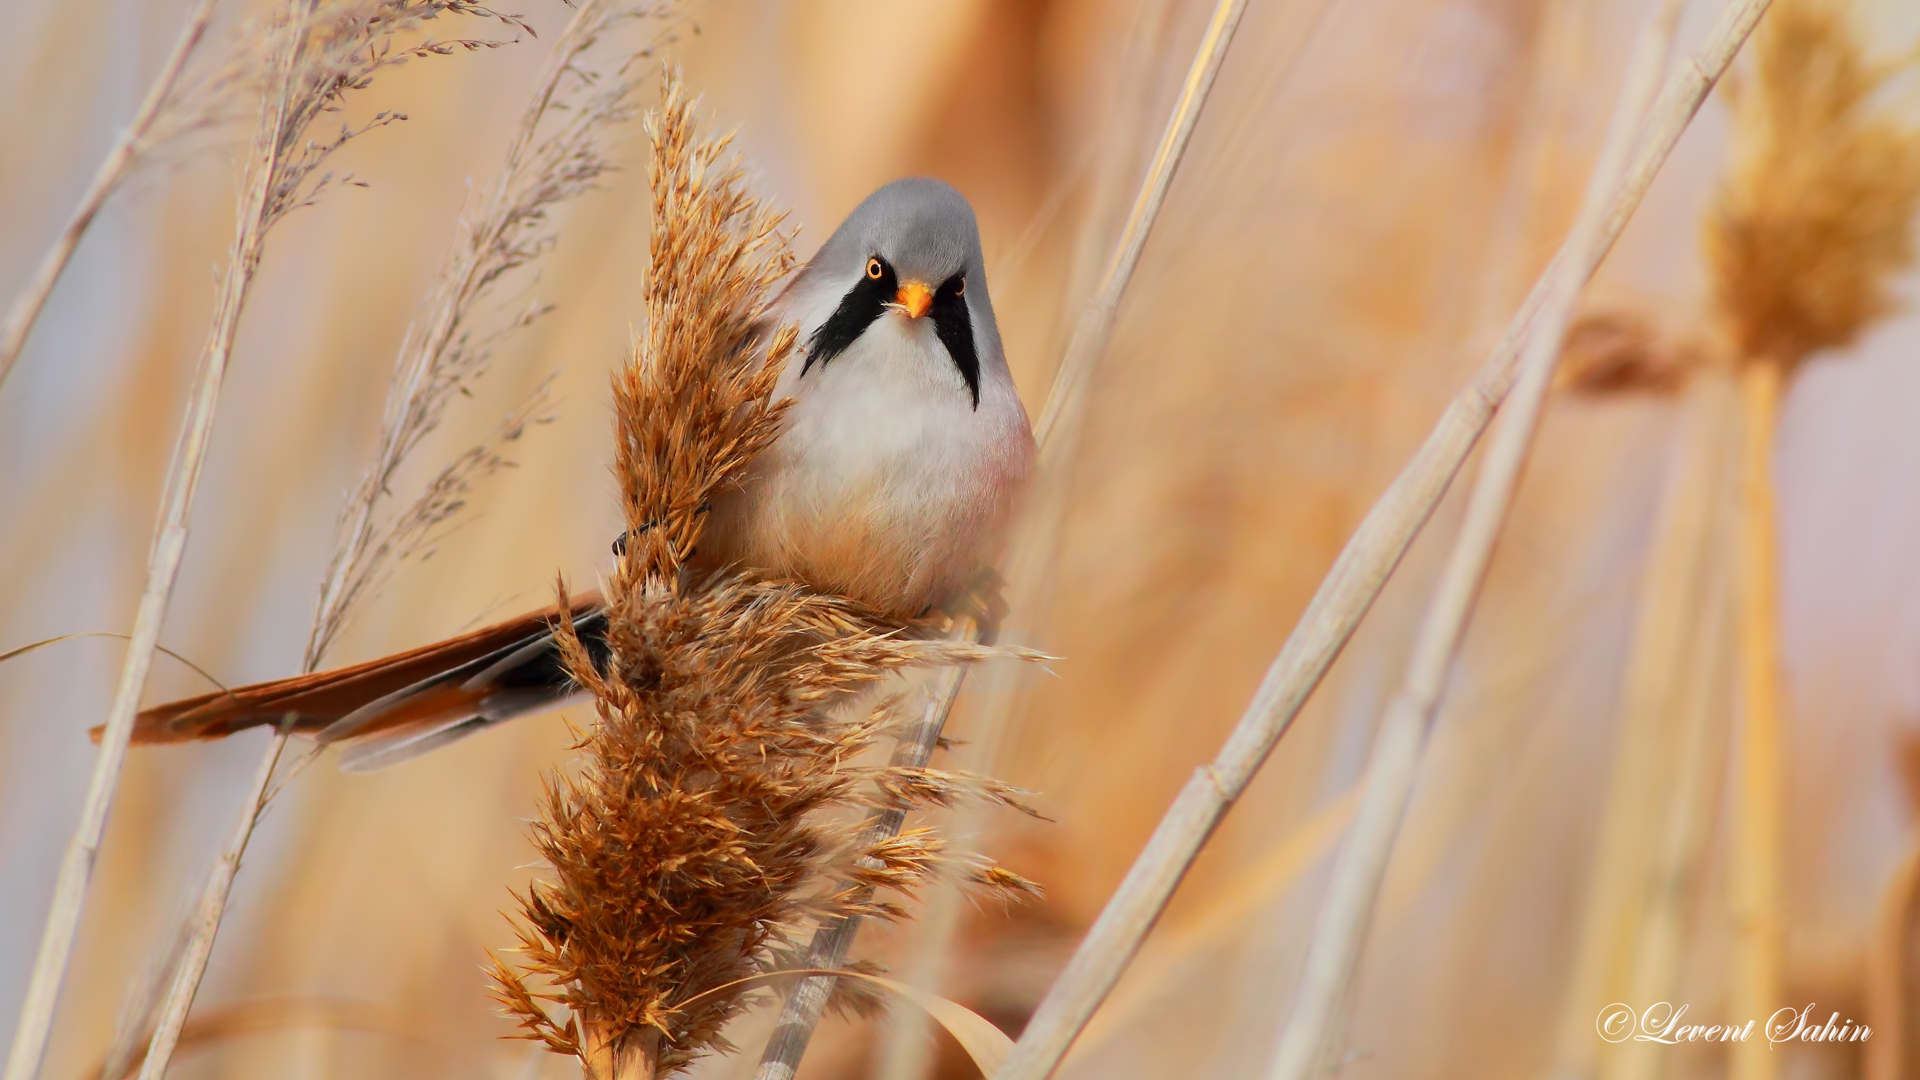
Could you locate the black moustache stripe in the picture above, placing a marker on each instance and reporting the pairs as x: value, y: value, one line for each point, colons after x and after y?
x: 950, y: 318
x: 868, y: 300
x: 863, y: 303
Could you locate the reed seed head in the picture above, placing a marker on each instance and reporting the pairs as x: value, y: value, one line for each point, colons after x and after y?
x: 1624, y: 352
x: 714, y: 819
x: 1817, y: 217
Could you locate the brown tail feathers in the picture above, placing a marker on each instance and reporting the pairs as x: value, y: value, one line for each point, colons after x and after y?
x: 402, y: 705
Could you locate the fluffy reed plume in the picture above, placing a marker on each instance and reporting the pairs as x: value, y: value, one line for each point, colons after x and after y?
x: 1815, y: 222
x: 195, y: 93
x: 119, y: 164
x: 549, y: 163
x: 337, y: 48
x: 699, y: 838
x: 329, y: 57
x: 316, y: 55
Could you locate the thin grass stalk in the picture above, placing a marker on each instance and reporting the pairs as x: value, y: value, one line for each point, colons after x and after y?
x: 1754, y: 870
x: 803, y: 1009
x: 1646, y: 774
x: 119, y: 163
x: 191, y: 968
x: 906, y: 1052
x: 1089, y: 342
x: 420, y: 392
x: 1358, y: 574
x: 1312, y: 1033
x: 1673, y: 883
x: 163, y: 566
x: 1814, y: 227
x: 1666, y: 885
x: 213, y: 906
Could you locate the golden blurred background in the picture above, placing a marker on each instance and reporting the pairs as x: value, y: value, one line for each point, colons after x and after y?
x: 1370, y: 191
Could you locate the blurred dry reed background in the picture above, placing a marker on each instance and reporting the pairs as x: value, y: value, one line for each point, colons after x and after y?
x: 1372, y: 186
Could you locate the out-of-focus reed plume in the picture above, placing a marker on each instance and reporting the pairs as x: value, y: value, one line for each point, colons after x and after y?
x: 1814, y: 223
x: 1618, y: 351
x: 332, y: 50
x: 170, y: 109
x: 696, y: 843
x: 548, y: 164
x: 341, y: 51
x: 317, y: 56
x: 1816, y: 220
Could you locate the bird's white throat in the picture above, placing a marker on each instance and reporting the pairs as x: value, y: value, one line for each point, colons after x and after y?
x: 887, y: 480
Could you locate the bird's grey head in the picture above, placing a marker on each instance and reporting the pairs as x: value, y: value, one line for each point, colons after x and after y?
x: 910, y: 250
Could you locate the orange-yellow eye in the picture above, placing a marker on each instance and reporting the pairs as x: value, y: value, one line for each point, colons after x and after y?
x: 874, y: 270
x: 960, y: 287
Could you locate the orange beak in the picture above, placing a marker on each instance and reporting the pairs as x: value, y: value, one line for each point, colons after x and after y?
x: 914, y: 298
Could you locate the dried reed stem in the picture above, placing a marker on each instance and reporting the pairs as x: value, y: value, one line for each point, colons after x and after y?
x: 1065, y: 402
x: 1754, y: 870
x: 119, y: 163
x: 1349, y: 589
x: 431, y: 369
x: 1674, y: 603
x: 1670, y: 880
x: 608, y: 1058
x: 907, y: 1051
x: 805, y: 1006
x: 163, y: 565
x: 213, y: 904
x: 313, y: 64
x: 1089, y: 341
x: 1815, y: 224
x: 1333, y: 955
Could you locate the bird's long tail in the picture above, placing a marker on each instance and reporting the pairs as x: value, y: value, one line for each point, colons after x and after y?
x: 400, y: 706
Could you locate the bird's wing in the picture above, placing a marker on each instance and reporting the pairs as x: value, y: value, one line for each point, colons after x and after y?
x: 404, y: 689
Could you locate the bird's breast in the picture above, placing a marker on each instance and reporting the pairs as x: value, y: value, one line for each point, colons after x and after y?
x: 887, y: 484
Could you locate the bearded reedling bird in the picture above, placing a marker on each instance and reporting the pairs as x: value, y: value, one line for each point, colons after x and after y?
x: 892, y: 482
